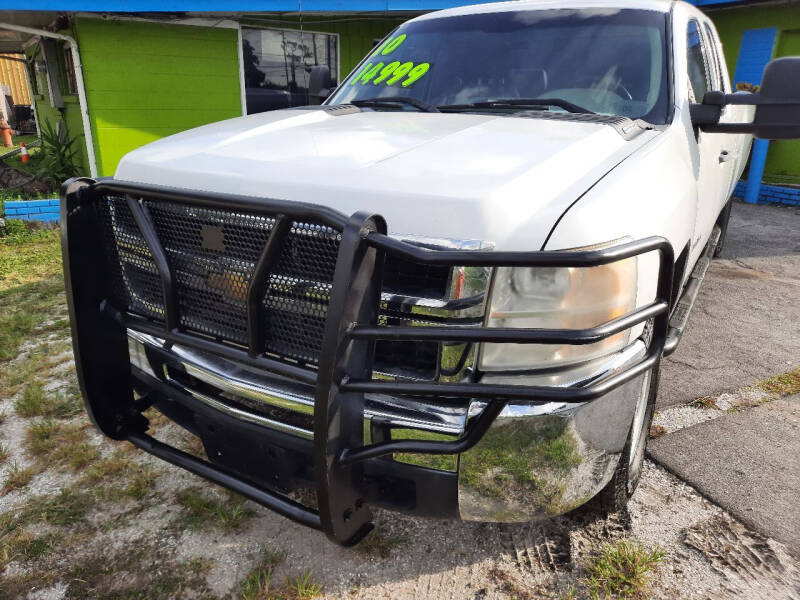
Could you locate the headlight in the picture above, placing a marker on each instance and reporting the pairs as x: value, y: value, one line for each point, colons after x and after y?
x: 558, y: 298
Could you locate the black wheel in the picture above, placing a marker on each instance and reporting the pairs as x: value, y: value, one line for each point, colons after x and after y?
x: 722, y: 223
x: 614, y: 497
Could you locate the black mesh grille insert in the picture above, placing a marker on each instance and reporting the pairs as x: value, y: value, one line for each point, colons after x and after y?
x: 212, y: 254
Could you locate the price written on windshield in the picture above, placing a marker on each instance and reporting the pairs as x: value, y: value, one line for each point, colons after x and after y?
x: 392, y: 72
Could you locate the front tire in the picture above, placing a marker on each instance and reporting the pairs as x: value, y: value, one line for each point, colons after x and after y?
x: 615, y: 495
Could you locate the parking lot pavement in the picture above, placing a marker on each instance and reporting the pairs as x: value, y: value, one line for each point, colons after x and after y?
x: 747, y: 462
x: 746, y: 323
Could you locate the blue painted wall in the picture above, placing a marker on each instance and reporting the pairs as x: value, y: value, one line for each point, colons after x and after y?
x: 33, y: 210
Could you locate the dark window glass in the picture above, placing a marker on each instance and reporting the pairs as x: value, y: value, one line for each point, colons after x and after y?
x: 71, y: 82
x: 698, y: 70
x: 607, y: 61
x: 277, y: 64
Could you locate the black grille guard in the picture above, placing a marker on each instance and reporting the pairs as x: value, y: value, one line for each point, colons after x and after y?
x: 351, y: 329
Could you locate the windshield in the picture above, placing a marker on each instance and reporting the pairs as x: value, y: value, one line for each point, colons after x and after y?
x: 608, y: 61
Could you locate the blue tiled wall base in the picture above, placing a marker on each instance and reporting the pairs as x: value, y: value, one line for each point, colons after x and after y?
x: 771, y: 194
x: 33, y: 210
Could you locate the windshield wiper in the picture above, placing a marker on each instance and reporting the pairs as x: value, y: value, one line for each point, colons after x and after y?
x: 521, y: 103
x: 387, y: 102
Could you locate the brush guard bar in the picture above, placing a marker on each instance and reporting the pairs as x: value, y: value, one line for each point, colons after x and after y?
x: 345, y: 373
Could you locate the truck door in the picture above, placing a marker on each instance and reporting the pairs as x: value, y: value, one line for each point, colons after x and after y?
x: 732, y: 144
x: 715, y: 159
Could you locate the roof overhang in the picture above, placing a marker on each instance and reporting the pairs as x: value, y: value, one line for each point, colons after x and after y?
x: 14, y: 41
x: 253, y: 6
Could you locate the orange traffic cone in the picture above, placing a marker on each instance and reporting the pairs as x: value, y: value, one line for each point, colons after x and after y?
x: 23, y: 151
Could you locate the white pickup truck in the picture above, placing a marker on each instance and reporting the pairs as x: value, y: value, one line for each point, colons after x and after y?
x: 445, y: 290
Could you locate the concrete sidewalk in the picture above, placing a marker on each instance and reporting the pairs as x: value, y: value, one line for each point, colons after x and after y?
x: 747, y: 462
x: 746, y: 323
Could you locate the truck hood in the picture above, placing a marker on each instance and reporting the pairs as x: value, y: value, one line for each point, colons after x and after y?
x: 500, y: 179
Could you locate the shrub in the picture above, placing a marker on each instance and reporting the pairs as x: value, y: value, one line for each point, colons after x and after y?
x: 59, y: 153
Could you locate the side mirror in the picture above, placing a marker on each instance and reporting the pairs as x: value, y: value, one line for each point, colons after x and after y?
x: 319, y: 84
x: 777, y: 105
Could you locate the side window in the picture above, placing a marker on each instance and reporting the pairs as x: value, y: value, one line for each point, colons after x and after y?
x: 699, y: 80
x: 713, y: 52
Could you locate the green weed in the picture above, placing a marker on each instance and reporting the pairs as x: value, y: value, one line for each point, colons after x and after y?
x: 256, y: 584
x: 784, y: 384
x: 620, y: 571
x: 35, y: 402
x: 54, y: 443
x: 17, y: 478
x: 201, y: 511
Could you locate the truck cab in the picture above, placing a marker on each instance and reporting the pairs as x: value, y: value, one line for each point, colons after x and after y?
x: 447, y: 289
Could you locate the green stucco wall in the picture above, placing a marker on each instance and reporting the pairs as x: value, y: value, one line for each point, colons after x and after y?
x: 783, y: 160
x: 145, y: 81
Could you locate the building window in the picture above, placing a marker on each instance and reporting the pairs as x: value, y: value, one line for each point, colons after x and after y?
x: 71, y: 80
x: 277, y: 64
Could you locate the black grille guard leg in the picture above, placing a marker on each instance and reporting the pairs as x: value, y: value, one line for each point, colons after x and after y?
x: 339, y: 414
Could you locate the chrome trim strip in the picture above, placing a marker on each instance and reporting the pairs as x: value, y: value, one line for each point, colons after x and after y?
x: 234, y: 379
x: 245, y: 415
x: 234, y: 384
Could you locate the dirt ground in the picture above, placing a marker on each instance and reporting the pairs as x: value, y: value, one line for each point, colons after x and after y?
x: 84, y: 517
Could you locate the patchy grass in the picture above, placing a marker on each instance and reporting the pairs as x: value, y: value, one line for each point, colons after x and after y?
x: 20, y: 545
x: 301, y: 587
x: 36, y: 402
x: 53, y: 443
x: 784, y: 384
x: 138, y: 571
x: 257, y: 583
x: 64, y: 509
x: 137, y: 481
x: 17, y: 478
x: 621, y: 571
x: 25, y: 308
x: 380, y: 542
x: 4, y: 452
x: 41, y: 361
x: 657, y: 431
x: 31, y: 285
x: 704, y: 402
x: 201, y: 511
x: 29, y: 257
x: 105, y: 469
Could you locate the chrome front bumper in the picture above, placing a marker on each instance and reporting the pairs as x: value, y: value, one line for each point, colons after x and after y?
x: 534, y: 461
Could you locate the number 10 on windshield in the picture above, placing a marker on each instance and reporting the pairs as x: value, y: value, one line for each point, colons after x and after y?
x: 391, y: 73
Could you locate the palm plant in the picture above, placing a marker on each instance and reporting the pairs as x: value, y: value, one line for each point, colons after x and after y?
x: 58, y: 153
